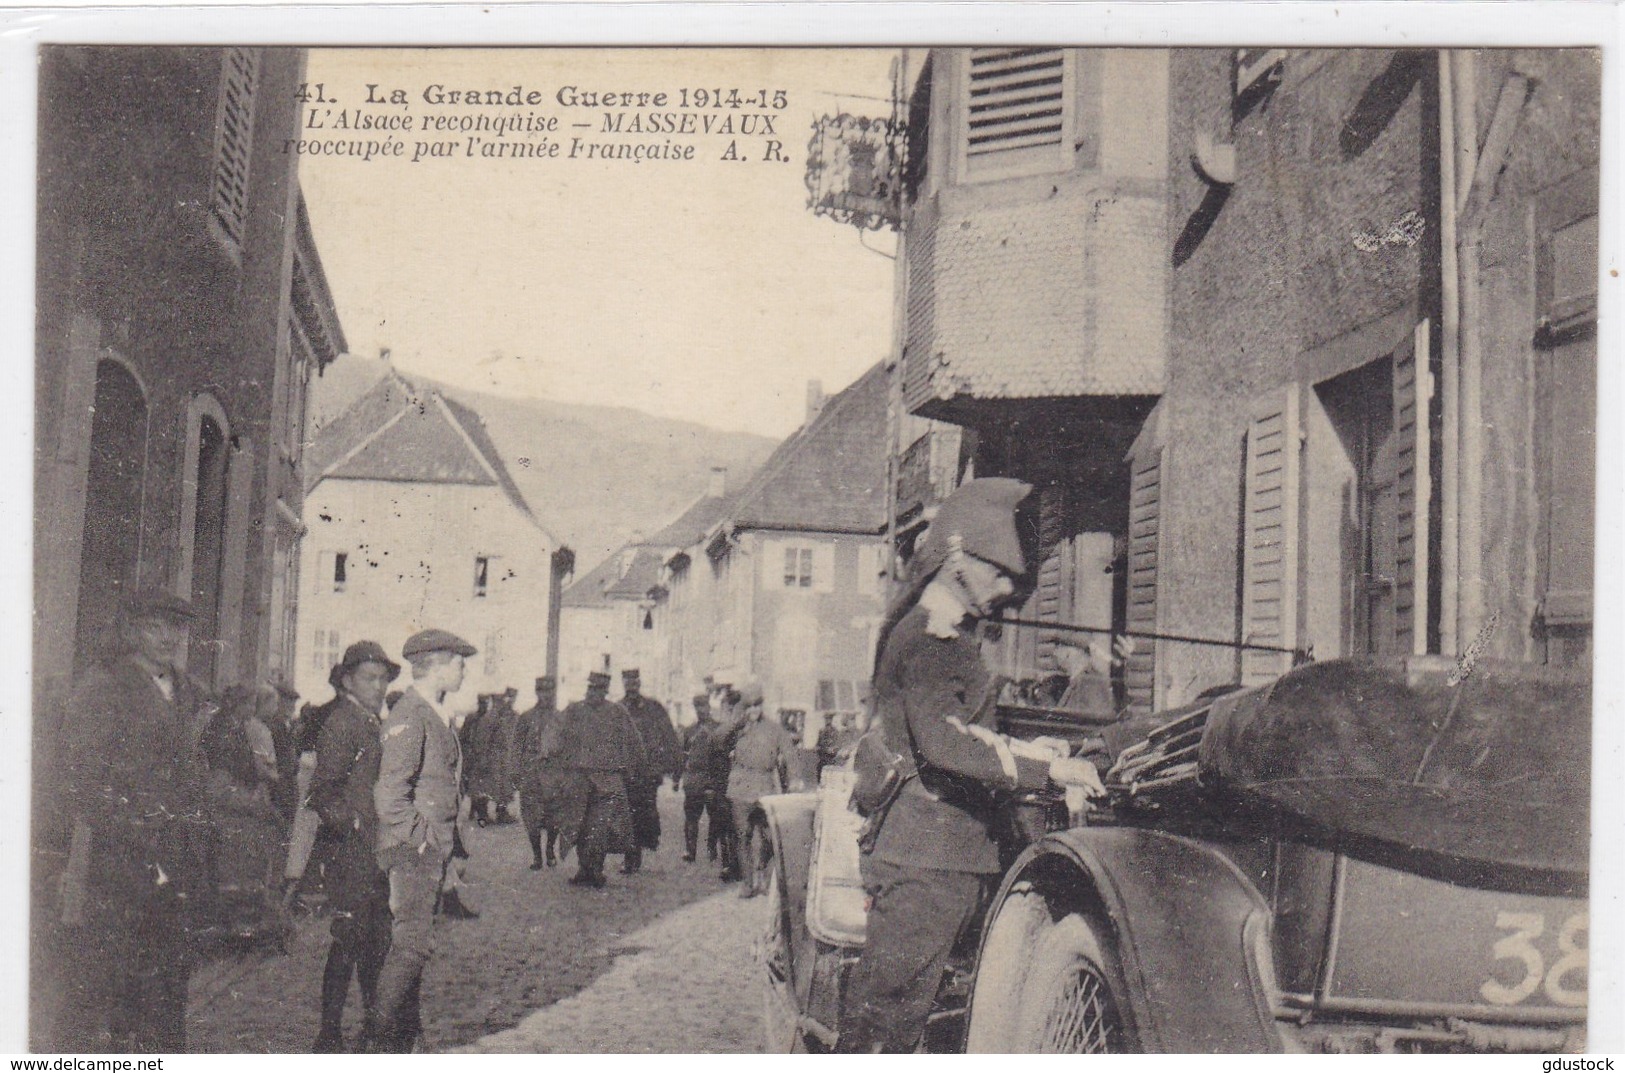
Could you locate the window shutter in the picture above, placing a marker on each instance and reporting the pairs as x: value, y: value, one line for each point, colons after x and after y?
x: 1413, y: 491
x: 823, y: 567
x: 234, y: 137
x: 1018, y: 109
x: 1144, y: 530
x: 1269, y: 596
x: 1049, y: 600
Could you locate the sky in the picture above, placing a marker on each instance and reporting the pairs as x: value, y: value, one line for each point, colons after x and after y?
x: 700, y: 289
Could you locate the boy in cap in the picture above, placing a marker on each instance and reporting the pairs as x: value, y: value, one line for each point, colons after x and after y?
x: 416, y: 799
x: 935, y: 850
x: 347, y: 762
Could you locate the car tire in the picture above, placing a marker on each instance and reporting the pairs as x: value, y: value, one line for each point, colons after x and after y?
x: 781, y: 1032
x: 1073, y: 1000
x: 1002, y: 970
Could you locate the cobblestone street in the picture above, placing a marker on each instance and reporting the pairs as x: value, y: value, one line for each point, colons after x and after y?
x: 660, y: 961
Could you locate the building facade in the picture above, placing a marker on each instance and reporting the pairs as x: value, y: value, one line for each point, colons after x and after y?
x: 415, y: 522
x: 181, y: 312
x: 1360, y: 419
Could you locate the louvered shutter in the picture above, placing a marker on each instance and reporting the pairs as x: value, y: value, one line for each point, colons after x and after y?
x: 1413, y: 492
x: 1269, y: 597
x: 234, y: 138
x: 1018, y: 114
x: 1144, y: 530
x: 1049, y: 598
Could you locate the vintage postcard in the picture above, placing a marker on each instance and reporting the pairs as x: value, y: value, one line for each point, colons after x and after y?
x: 1001, y: 547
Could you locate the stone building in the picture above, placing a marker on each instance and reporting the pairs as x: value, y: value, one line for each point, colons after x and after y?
x: 181, y: 310
x: 415, y: 522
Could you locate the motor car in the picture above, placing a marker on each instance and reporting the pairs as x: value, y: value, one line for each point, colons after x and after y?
x: 1356, y: 857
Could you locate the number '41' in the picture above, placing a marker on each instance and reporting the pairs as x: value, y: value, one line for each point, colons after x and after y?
x: 312, y: 92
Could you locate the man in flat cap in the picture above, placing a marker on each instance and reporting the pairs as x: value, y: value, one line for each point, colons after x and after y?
x: 663, y: 756
x: 926, y: 868
x: 601, y: 750
x: 537, y: 744
x: 132, y: 777
x: 416, y: 798
x: 347, y: 763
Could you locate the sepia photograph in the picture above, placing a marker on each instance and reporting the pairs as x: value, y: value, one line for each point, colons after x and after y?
x: 979, y: 548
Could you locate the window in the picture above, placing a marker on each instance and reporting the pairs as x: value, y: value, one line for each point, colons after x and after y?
x: 233, y: 140
x: 1018, y: 113
x: 324, y: 650
x: 839, y: 695
x: 341, y: 570
x: 482, y: 575
x: 798, y: 568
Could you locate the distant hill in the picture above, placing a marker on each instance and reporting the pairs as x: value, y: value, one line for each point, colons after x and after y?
x: 594, y: 475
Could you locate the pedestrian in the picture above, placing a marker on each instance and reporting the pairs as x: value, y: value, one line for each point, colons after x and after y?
x: 663, y: 756
x: 133, y: 781
x: 284, y: 727
x: 703, y: 793
x: 417, y: 800
x: 601, y: 748
x: 508, y: 775
x: 829, y: 743
x: 537, y: 745
x: 928, y: 866
x: 309, y: 849
x: 763, y: 758
x: 341, y: 791
x: 246, y: 828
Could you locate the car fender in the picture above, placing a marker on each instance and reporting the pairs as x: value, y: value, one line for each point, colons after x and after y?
x: 789, y: 819
x: 1191, y: 931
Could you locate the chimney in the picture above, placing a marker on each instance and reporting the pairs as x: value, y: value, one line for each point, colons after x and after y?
x: 719, y: 482
x: 815, y: 399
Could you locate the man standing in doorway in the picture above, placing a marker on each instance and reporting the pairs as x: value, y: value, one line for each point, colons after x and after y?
x: 416, y: 797
x: 341, y: 792
x: 663, y: 756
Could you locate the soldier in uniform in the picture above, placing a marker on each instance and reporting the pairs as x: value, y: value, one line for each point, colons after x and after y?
x: 133, y: 780
x: 702, y: 791
x: 935, y: 850
x: 601, y: 749
x: 347, y: 759
x: 763, y: 753
x: 537, y: 743
x: 416, y: 799
x: 663, y: 756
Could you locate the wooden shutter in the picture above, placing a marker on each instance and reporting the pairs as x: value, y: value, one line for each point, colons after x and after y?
x: 1018, y: 112
x: 1412, y: 492
x: 1269, y: 596
x: 1144, y: 531
x: 1050, y: 602
x: 233, y: 140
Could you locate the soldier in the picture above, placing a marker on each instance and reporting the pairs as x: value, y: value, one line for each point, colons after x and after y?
x: 702, y: 790
x: 133, y: 776
x: 829, y: 743
x: 347, y: 759
x: 663, y: 754
x: 763, y: 753
x: 309, y: 849
x: 479, y: 737
x: 537, y: 743
x: 601, y: 748
x: 416, y: 798
x: 926, y: 868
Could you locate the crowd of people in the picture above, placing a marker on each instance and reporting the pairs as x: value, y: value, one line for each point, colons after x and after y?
x: 196, y: 820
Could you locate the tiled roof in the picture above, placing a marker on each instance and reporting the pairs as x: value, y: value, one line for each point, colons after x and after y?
x: 830, y: 476
x: 692, y: 525
x: 397, y: 432
x: 605, y: 583
x: 1062, y: 297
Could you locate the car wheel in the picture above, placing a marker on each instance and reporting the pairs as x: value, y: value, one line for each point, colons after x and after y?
x: 781, y: 1033
x: 1002, y: 970
x: 1073, y: 1000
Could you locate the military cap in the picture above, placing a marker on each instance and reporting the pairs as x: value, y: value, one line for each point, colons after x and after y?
x: 284, y: 690
x: 982, y: 514
x: 433, y: 640
x: 750, y: 693
x: 156, y: 603
x: 629, y: 675
x: 545, y: 681
x: 367, y: 652
x: 702, y: 700
x: 598, y: 678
